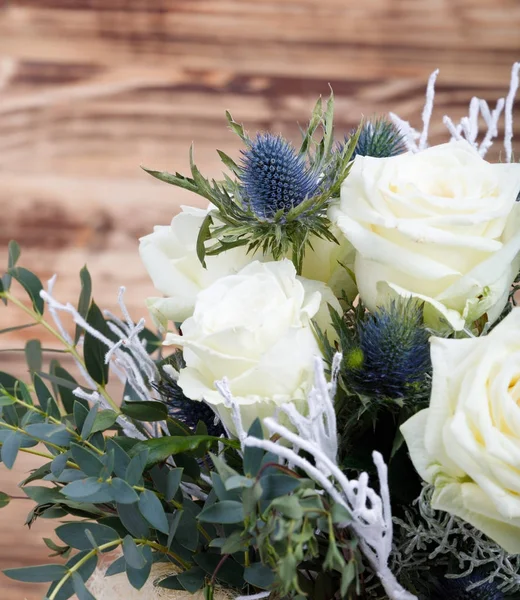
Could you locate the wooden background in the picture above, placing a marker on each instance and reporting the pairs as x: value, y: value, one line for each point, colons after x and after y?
x: 91, y: 89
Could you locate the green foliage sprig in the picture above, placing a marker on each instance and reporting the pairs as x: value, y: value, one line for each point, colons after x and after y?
x: 233, y: 222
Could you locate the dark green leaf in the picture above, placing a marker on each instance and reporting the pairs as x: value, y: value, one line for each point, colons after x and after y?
x: 93, y: 349
x: 259, y: 575
x: 86, y: 460
x: 47, y: 402
x: 121, y: 458
x: 39, y: 574
x: 84, y: 299
x: 229, y: 571
x: 122, y: 493
x: 80, y: 588
x: 288, y: 506
x: 253, y: 456
x: 77, y: 490
x: 145, y: 410
x: 138, y: 577
x: 187, y: 534
x: 4, y: 499
x: 136, y: 466
x: 118, y: 566
x: 47, y: 432
x: 227, y: 511
x: 203, y: 236
x: 86, y: 430
x: 13, y: 254
x: 192, y: 580
x: 133, y: 555
x: 59, y: 464
x: 10, y: 447
x: 31, y: 284
x: 103, y: 421
x: 73, y: 534
x: 162, y: 448
x: 63, y: 384
x: 16, y: 327
x: 33, y: 355
x: 275, y: 485
x: 132, y: 520
x: 152, y: 510
x: 173, y: 482
x: 7, y: 400
x: 85, y: 570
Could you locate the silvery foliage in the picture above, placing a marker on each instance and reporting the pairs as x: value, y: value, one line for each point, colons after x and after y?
x: 468, y: 127
x: 371, y: 516
x: 429, y: 536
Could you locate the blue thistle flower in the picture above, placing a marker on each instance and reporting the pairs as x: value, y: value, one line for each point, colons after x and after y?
x: 456, y: 589
x: 380, y: 139
x: 393, y: 351
x: 274, y: 176
x: 187, y: 411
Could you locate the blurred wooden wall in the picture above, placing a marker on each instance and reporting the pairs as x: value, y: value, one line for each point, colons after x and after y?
x: 91, y: 89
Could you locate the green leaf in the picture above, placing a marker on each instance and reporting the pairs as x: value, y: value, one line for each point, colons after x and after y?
x: 4, y: 499
x: 259, y: 575
x: 288, y: 506
x: 275, y: 485
x: 63, y: 385
x: 192, y: 580
x: 93, y: 349
x: 132, y: 520
x: 177, y: 179
x: 84, y: 299
x: 103, y: 421
x: 152, y: 510
x: 47, y: 402
x: 88, y: 423
x: 229, y: 572
x: 7, y: 401
x: 10, y: 447
x: 340, y: 514
x: 162, y: 448
x: 13, y: 254
x: 47, y: 432
x: 122, y: 493
x: 86, y: 569
x: 39, y: 574
x: 136, y: 466
x: 173, y: 482
x: 77, y: 490
x: 225, y: 512
x: 73, y: 534
x: 203, y: 236
x: 33, y: 355
x: 80, y: 588
x: 86, y: 460
x: 187, y: 534
x: 138, y: 577
x: 133, y: 555
x: 230, y: 163
x: 121, y: 458
x: 253, y: 456
x: 31, y: 284
x: 145, y: 410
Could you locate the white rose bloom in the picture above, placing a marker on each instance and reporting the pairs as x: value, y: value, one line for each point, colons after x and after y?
x: 329, y: 262
x: 254, y: 328
x: 467, y: 443
x: 441, y: 225
x: 170, y: 257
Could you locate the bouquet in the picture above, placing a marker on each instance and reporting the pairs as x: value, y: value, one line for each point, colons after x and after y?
x: 327, y: 403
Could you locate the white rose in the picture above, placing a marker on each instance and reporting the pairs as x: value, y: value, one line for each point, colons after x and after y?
x: 467, y: 443
x: 441, y: 225
x: 170, y: 257
x: 330, y: 262
x: 254, y: 328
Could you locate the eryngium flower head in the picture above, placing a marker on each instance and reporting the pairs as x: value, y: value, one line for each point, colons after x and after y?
x: 274, y: 176
x: 187, y: 411
x: 380, y: 139
x: 457, y: 589
x: 393, y: 351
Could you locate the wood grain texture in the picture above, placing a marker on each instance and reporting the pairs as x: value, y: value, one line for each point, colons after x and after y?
x: 91, y: 89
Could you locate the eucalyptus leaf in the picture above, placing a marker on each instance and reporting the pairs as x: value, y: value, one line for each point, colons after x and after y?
x: 80, y: 588
x: 94, y: 350
x: 33, y: 355
x: 84, y: 299
x: 4, y: 499
x: 226, y: 511
x: 133, y: 555
x: 145, y: 410
x: 38, y: 574
x: 121, y: 492
x: 73, y: 534
x: 152, y: 510
x: 31, y: 284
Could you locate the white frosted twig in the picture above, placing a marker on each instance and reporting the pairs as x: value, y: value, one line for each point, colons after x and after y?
x: 258, y: 596
x: 510, y: 100
x: 409, y: 134
x: 223, y: 388
x: 317, y: 433
x: 491, y: 120
x: 428, y: 109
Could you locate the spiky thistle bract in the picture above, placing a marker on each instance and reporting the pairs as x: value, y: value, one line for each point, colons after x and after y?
x: 274, y: 177
x: 379, y: 138
x: 262, y: 213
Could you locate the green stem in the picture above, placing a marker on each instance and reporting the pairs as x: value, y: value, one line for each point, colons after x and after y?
x: 80, y: 563
x: 164, y: 550
x: 70, y: 349
x: 19, y: 430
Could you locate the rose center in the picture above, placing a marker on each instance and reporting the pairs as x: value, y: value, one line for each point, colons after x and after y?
x: 514, y: 388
